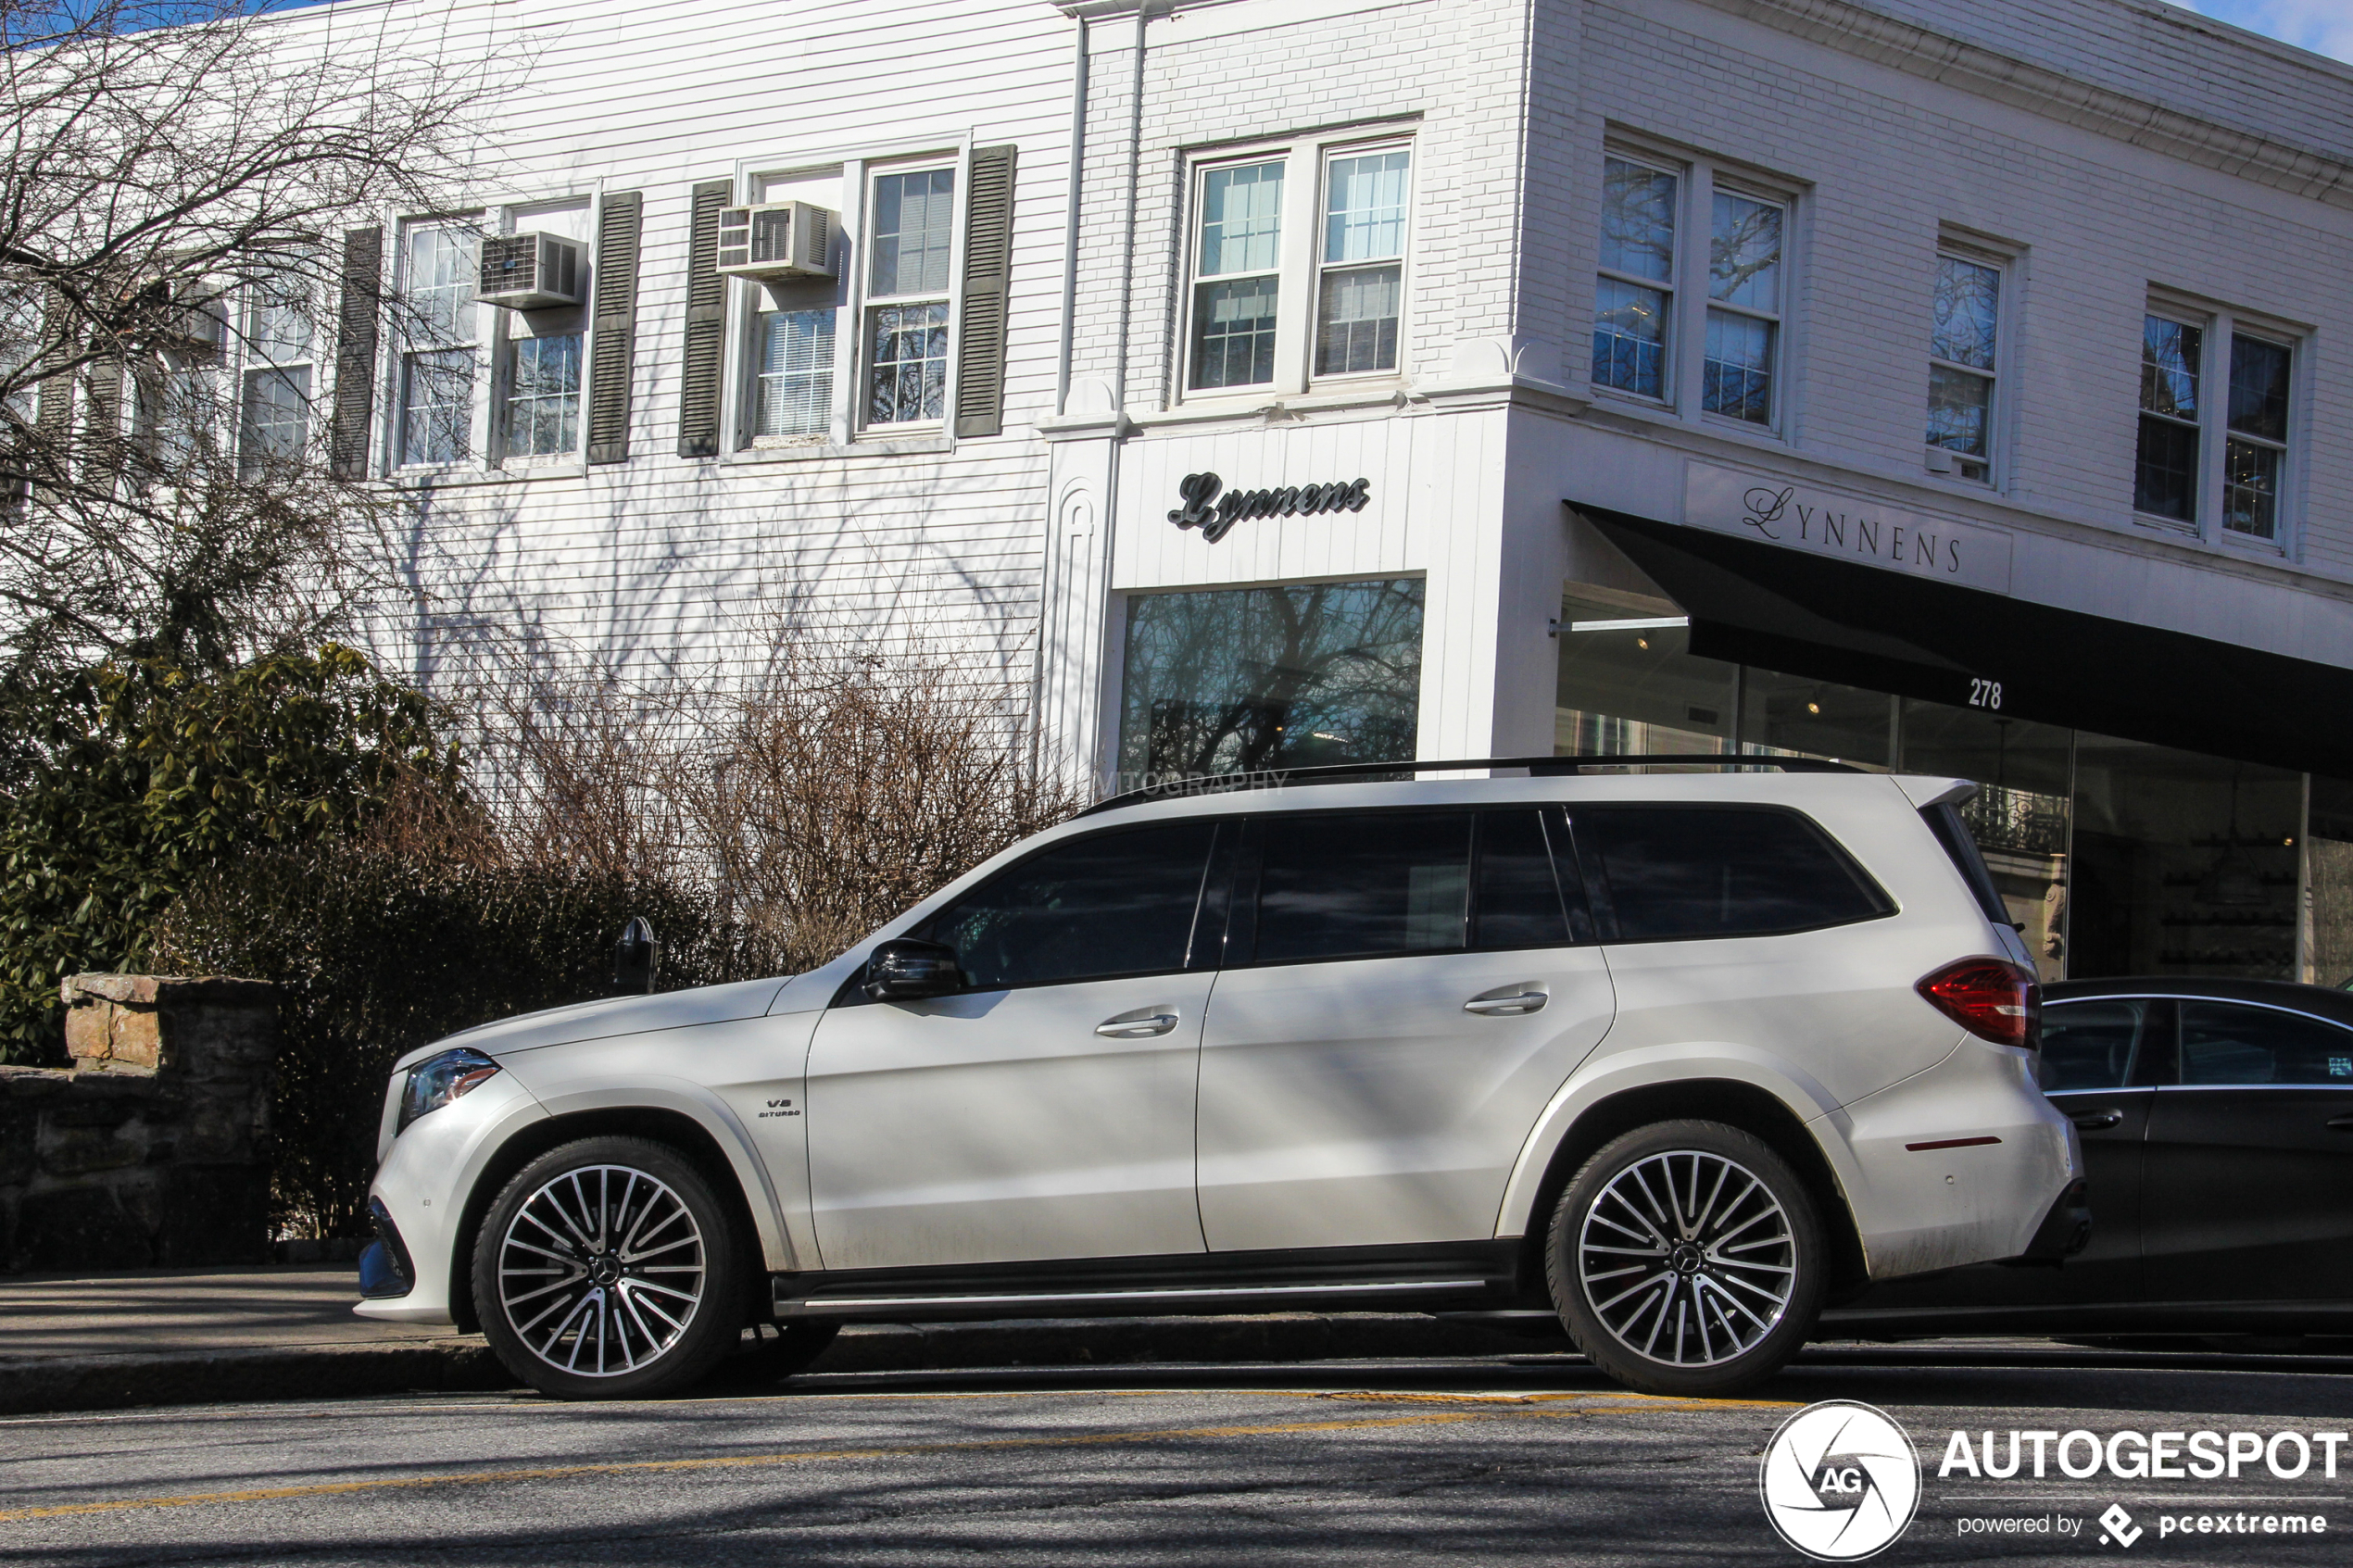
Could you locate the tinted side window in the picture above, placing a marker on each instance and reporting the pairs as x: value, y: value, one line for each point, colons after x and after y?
x: 1353, y: 883
x: 2223, y: 1044
x: 1960, y: 846
x: 2090, y: 1045
x: 1114, y: 903
x: 1516, y: 898
x: 1720, y: 871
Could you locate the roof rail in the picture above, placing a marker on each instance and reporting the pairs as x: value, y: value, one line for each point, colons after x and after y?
x: 1538, y: 767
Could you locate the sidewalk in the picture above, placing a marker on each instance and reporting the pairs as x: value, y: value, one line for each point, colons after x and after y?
x: 286, y: 1332
x: 190, y: 1336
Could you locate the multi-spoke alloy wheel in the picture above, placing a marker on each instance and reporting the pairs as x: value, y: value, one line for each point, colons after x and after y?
x: 1686, y: 1258
x: 601, y: 1270
x: 608, y: 1268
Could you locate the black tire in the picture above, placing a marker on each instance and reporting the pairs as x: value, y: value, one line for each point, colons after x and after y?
x: 581, y: 1313
x: 1668, y: 1268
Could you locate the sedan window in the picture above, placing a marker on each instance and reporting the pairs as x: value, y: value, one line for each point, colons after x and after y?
x: 2090, y: 1045
x: 2223, y: 1043
x: 1112, y: 903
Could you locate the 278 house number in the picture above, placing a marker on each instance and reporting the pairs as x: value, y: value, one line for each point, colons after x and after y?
x: 1985, y: 694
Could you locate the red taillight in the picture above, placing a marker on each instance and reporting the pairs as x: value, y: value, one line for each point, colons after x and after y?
x: 1989, y: 998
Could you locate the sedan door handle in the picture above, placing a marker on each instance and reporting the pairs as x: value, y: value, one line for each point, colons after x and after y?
x: 2093, y: 1120
x: 2342, y: 1123
x: 1508, y: 1006
x: 1142, y: 1024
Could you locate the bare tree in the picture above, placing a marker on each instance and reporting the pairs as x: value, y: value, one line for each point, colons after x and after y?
x: 173, y: 201
x: 817, y: 783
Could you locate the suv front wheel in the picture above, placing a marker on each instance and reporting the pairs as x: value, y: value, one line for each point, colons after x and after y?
x: 1686, y: 1258
x: 609, y: 1269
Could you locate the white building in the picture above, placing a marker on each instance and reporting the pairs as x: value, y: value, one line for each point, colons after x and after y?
x: 1951, y: 385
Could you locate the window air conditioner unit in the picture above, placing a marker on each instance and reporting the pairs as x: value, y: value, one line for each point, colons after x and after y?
x: 199, y: 323
x: 187, y: 315
x: 532, y: 271
x: 777, y: 242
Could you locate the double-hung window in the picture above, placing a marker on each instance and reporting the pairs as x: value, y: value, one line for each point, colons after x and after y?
x: 2212, y: 464
x: 910, y: 230
x: 1666, y: 316
x: 274, y: 402
x: 1744, y: 308
x: 436, y: 371
x: 1964, y: 334
x: 1240, y: 272
x: 1360, y: 298
x: 1297, y: 258
x: 1634, y: 297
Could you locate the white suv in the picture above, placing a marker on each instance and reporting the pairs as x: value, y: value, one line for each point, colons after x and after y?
x: 1676, y: 1055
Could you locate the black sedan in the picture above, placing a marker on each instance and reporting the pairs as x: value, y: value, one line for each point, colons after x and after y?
x: 2217, y: 1119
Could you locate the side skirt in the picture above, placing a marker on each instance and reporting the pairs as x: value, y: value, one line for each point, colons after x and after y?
x: 1463, y: 1275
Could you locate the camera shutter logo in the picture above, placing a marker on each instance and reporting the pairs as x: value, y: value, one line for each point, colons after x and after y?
x: 1839, y: 1481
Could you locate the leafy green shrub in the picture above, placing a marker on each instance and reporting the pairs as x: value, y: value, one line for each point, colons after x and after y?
x: 380, y: 951
x: 145, y: 774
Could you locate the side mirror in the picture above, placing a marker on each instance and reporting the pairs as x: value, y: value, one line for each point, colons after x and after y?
x: 634, y: 958
x: 906, y: 969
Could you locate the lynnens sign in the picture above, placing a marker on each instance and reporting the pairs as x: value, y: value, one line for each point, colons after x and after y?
x: 1828, y: 523
x: 1216, y: 515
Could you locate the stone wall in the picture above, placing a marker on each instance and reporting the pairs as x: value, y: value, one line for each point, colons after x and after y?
x: 153, y: 1149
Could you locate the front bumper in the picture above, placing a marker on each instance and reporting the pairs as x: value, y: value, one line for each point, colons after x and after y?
x: 385, y: 1269
x: 420, y: 1198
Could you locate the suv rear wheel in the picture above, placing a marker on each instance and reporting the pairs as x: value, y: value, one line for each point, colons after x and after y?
x: 609, y: 1269
x: 1687, y: 1257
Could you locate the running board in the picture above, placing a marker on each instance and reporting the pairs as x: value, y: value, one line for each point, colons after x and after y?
x: 1422, y: 1277
x: 1072, y: 1302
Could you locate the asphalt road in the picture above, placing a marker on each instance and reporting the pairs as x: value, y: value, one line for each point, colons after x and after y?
x: 1530, y: 1459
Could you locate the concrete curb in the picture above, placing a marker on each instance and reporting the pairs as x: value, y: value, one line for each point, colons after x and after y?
x: 457, y: 1365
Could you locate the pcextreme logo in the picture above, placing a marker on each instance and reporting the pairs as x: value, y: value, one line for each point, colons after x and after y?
x: 1839, y: 1481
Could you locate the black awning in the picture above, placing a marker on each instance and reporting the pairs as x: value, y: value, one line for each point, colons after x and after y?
x: 1754, y: 602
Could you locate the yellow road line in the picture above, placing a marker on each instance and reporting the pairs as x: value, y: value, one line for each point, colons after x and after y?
x: 1493, y: 1411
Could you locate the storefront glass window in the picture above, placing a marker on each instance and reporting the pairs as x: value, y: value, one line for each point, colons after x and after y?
x: 1235, y: 679
x: 2114, y: 856
x: 1791, y: 713
x: 1630, y: 684
x: 2021, y: 814
x: 2184, y: 864
x: 2328, y: 881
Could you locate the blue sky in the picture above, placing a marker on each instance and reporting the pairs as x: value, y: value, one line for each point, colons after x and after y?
x: 2325, y: 27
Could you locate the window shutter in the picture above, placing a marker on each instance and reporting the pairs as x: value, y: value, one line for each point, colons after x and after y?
x: 53, y: 414
x: 363, y: 268
x: 104, y: 464
x: 988, y: 265
x: 612, y: 353
x: 53, y: 417
x: 706, y: 324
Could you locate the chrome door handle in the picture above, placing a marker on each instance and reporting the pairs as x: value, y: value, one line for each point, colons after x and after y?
x: 1507, y: 1006
x: 2341, y: 1123
x: 1139, y: 1025
x: 2093, y: 1120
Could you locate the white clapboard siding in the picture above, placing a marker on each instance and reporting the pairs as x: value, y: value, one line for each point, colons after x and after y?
x: 663, y: 563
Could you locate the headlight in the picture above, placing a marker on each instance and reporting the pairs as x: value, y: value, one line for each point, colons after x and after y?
x: 436, y: 1080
